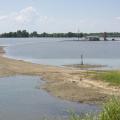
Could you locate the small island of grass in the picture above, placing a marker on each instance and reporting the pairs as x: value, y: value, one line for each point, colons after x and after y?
x: 85, y: 66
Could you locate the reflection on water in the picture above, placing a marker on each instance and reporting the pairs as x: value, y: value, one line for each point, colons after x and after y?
x: 21, y: 100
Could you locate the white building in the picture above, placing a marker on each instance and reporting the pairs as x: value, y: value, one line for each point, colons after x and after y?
x: 92, y: 38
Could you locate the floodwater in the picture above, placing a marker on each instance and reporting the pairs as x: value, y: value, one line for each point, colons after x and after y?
x: 20, y: 99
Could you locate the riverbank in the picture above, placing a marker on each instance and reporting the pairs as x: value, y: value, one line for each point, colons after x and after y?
x: 67, y: 83
x: 86, y: 66
x: 2, y: 51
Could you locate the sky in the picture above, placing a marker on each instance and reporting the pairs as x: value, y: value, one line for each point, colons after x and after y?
x: 60, y: 15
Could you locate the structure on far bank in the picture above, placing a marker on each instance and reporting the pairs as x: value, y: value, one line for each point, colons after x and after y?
x: 105, y: 36
x: 92, y: 38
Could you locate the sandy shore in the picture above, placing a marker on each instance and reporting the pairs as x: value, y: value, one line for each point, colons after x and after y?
x: 67, y: 83
x: 2, y: 51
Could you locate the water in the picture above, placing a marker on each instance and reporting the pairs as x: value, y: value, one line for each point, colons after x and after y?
x: 61, y: 51
x: 21, y: 100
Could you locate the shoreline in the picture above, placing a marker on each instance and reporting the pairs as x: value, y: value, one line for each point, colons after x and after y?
x: 64, y: 82
x: 2, y: 51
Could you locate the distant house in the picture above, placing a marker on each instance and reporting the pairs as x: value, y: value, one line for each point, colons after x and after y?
x: 92, y: 38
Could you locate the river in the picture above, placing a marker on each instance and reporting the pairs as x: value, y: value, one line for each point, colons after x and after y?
x: 63, y: 51
x: 20, y: 98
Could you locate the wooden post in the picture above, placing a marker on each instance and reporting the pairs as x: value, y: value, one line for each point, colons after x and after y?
x: 78, y: 37
x: 82, y: 63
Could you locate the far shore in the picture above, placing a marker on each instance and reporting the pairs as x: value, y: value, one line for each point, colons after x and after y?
x: 64, y: 82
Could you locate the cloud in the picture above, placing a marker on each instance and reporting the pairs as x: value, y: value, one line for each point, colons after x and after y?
x: 118, y: 18
x: 26, y: 18
x: 23, y: 16
x: 26, y: 15
x: 31, y: 19
x: 3, y: 17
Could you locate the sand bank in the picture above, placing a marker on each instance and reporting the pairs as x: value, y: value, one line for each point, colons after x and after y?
x: 67, y: 83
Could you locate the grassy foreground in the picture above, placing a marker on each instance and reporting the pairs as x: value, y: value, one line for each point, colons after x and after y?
x: 111, y: 111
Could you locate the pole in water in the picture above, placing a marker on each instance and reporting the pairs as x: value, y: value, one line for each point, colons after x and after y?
x: 78, y: 34
x: 82, y: 63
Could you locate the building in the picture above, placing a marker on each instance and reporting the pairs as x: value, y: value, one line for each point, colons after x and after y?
x: 92, y: 38
x: 105, y: 36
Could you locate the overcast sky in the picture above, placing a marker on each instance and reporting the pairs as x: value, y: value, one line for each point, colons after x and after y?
x: 60, y: 15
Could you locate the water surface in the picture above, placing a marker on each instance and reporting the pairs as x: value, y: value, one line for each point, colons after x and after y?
x: 21, y: 100
x: 60, y: 51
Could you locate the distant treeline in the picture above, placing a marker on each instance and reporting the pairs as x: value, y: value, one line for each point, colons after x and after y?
x: 24, y: 33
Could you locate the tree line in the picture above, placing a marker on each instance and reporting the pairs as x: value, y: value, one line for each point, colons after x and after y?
x: 24, y: 33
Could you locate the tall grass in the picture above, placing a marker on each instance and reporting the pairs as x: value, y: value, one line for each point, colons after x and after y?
x: 111, y: 111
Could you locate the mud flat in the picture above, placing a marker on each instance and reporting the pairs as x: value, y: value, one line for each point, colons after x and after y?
x: 85, y: 66
x: 64, y: 82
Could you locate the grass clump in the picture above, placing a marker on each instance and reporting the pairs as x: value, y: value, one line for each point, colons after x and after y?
x: 111, y: 111
x: 112, y: 77
x: 80, y: 117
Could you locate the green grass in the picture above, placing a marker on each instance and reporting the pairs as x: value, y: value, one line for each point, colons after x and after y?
x: 111, y: 111
x: 113, y: 77
x: 74, y: 116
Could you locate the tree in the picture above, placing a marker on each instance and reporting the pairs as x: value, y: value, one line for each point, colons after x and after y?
x: 34, y: 34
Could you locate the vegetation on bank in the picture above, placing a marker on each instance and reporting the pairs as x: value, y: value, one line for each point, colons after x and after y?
x: 111, y: 111
x: 112, y: 77
x: 24, y: 33
x: 85, y: 66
